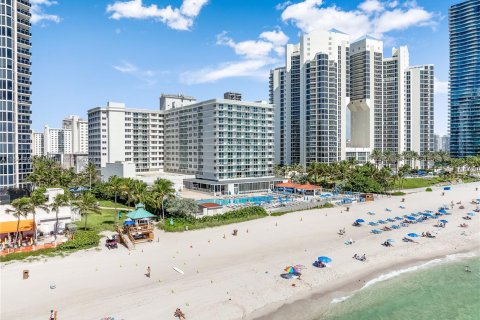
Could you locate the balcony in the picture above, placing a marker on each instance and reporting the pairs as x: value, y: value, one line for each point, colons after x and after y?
x: 25, y: 3
x: 24, y: 61
x: 24, y: 32
x: 24, y: 22
x: 24, y: 41
x: 24, y: 12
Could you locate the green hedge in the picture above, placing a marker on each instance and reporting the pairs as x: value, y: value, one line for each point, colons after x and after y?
x: 234, y: 216
x: 398, y: 193
x: 428, y: 190
x: 82, y: 240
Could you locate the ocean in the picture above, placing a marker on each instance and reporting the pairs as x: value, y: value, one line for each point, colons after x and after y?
x: 440, y: 289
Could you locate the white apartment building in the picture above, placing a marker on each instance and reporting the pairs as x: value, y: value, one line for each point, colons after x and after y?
x: 38, y: 144
x: 227, y: 144
x: 79, y: 129
x: 419, y: 109
x: 118, y: 134
x: 366, y: 105
x: 314, y: 89
x: 56, y: 141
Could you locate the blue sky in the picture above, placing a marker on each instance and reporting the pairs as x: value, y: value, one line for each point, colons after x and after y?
x: 86, y: 53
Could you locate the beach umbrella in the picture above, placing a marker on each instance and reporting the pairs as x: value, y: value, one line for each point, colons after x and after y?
x: 390, y: 220
x: 293, y: 269
x: 428, y: 215
x: 428, y: 211
x: 442, y: 210
x: 395, y: 226
x: 376, y: 231
x: 444, y: 221
x: 390, y: 240
x: 324, y: 259
x: 359, y: 220
x: 411, y: 218
x: 398, y: 218
x: 412, y: 235
x: 387, y: 209
x: 381, y: 221
x: 372, y: 223
x: 471, y: 214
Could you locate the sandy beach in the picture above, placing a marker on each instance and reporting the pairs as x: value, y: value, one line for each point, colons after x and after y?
x: 237, y: 277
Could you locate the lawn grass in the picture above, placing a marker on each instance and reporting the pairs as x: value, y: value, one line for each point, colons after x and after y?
x: 412, y: 183
x: 100, y: 222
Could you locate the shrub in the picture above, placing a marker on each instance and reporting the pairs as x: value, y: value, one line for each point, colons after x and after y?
x: 82, y: 240
x: 428, y: 189
x: 398, y: 193
x: 244, y: 214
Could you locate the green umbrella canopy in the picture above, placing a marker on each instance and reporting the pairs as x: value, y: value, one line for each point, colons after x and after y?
x: 140, y: 213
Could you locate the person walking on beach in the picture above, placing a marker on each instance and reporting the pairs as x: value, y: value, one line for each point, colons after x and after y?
x: 179, y: 314
x: 53, y: 315
x: 148, y: 272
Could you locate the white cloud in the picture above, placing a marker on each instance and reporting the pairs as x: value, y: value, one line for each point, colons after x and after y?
x: 256, y: 56
x: 176, y: 18
x: 373, y: 17
x: 147, y: 76
x: 371, y: 6
x: 440, y: 87
x: 38, y: 13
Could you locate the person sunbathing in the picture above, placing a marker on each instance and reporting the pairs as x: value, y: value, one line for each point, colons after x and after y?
x: 464, y: 225
x: 467, y: 218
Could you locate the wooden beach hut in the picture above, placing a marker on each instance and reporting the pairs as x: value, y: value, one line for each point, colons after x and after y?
x: 138, y: 227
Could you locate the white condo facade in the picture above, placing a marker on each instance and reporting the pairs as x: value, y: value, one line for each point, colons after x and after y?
x: 313, y: 86
x: 390, y: 104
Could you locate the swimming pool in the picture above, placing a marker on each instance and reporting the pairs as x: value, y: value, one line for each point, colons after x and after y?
x: 224, y: 202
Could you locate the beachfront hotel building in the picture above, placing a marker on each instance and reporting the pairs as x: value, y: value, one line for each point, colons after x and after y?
x: 227, y: 145
x: 310, y: 94
x: 325, y: 77
x: 15, y: 93
x: 464, y: 97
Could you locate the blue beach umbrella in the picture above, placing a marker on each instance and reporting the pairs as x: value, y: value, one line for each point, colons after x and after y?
x: 359, y: 220
x: 381, y: 221
x: 412, y: 235
x: 373, y: 223
x: 388, y: 210
x: 324, y: 259
x: 428, y: 215
x: 428, y: 211
x: 411, y: 218
x: 390, y: 220
x: 398, y: 218
x: 390, y: 240
x: 442, y: 210
x: 395, y: 226
x: 471, y: 214
x: 376, y: 231
x: 444, y: 221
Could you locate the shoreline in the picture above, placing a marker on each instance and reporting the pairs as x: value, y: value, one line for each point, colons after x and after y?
x: 296, y: 305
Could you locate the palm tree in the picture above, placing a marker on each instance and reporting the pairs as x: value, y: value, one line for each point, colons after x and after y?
x: 61, y: 200
x: 314, y: 170
x: 281, y: 170
x: 376, y: 156
x: 443, y: 157
x: 91, y: 173
x: 87, y: 204
x: 116, y: 186
x: 161, y: 189
x: 38, y: 200
x: 21, y: 208
x: 388, y: 157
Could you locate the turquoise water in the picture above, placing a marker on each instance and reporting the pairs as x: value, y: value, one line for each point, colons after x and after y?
x: 442, y: 292
x: 224, y: 202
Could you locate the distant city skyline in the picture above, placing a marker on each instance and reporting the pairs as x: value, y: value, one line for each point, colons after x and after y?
x: 132, y: 51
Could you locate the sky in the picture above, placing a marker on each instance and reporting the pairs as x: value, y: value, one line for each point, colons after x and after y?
x: 86, y: 53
